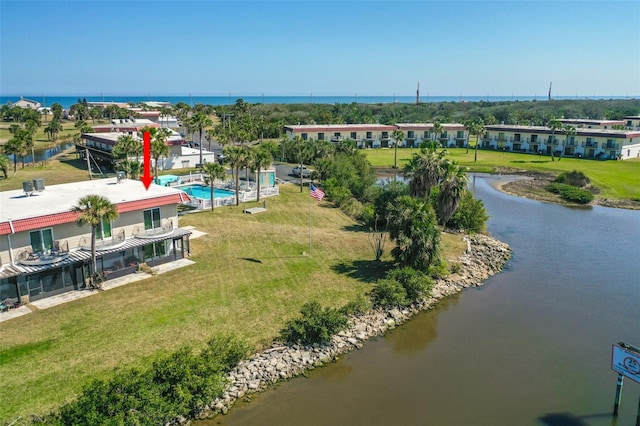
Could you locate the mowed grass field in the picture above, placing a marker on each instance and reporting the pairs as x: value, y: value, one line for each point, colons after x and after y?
x: 615, y: 179
x: 251, y: 274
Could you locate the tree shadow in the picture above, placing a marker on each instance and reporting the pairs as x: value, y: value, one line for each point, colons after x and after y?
x: 363, y: 270
x: 356, y: 228
x: 533, y: 161
x: 568, y: 419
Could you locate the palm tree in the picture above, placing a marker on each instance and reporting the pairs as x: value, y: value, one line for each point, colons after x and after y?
x: 397, y: 136
x: 19, y: 144
x: 478, y: 129
x: 93, y: 210
x: 451, y: 190
x: 159, y: 147
x: 437, y: 130
x: 31, y: 127
x: 53, y: 128
x: 198, y: 122
x: 237, y: 157
x: 301, y: 153
x: 5, y: 163
x: 569, y: 132
x: 260, y: 159
x: 554, y: 124
x: 14, y: 146
x: 425, y: 170
x: 214, y: 171
x: 124, y: 149
x: 412, y: 225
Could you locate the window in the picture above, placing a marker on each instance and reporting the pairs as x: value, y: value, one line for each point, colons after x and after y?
x: 516, y: 137
x: 41, y: 240
x: 460, y: 134
x: 385, y: 135
x: 104, y: 230
x: 320, y: 136
x: 444, y: 135
x: 425, y: 135
x: 534, y: 138
x: 336, y: 135
x: 353, y: 135
x: 304, y: 136
x: 152, y: 218
x: 369, y: 135
x: 411, y: 134
x: 501, y: 136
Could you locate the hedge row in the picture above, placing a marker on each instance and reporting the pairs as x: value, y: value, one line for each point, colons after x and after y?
x: 570, y: 193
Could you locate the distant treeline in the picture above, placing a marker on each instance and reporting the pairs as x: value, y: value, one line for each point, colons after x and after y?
x: 274, y: 116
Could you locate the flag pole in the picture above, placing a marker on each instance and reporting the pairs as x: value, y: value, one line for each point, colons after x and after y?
x: 309, y: 220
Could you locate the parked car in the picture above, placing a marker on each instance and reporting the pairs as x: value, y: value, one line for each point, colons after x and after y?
x: 297, y: 171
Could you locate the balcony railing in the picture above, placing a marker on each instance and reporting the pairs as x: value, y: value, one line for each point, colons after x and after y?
x: 165, y: 229
x: 589, y: 144
x: 112, y: 242
x: 58, y: 252
x: 336, y: 138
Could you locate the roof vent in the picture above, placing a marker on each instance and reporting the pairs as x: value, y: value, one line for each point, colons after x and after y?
x: 27, y: 187
x: 38, y: 184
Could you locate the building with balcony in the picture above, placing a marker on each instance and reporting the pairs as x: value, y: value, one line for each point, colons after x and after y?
x: 592, y: 124
x: 44, y: 252
x: 380, y: 135
x: 586, y: 143
x: 100, y: 147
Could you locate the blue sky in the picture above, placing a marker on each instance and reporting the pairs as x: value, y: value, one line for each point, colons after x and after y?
x: 476, y: 48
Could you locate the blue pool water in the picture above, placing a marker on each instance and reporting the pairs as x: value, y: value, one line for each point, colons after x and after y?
x: 204, y: 192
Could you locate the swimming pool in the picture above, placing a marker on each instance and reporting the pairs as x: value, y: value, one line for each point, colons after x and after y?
x: 204, y: 192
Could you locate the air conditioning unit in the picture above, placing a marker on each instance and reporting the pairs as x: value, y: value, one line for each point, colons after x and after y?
x: 27, y: 187
x: 38, y: 184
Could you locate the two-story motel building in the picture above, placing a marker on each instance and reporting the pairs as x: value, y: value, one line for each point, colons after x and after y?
x: 597, y: 143
x: 44, y: 252
x: 380, y: 135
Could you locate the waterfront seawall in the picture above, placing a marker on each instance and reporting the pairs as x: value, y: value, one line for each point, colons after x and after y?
x: 486, y: 257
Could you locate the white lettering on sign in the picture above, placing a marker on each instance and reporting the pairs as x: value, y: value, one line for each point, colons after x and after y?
x: 626, y: 362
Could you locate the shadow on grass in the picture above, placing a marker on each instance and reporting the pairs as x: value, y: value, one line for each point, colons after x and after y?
x: 363, y: 270
x: 250, y: 259
x: 356, y: 228
x: 568, y: 419
x: 533, y: 161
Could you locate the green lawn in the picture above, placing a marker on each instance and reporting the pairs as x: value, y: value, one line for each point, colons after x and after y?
x: 615, y: 179
x: 250, y: 276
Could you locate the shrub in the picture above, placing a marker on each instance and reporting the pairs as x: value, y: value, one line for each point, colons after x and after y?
x: 315, y: 325
x: 388, y: 293
x: 570, y: 193
x: 415, y: 283
x: 352, y: 208
x: 438, y: 270
x: 178, y: 384
x: 470, y: 215
x: 361, y: 305
x: 574, y: 178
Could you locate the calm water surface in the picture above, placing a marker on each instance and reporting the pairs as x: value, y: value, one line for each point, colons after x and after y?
x: 531, y: 347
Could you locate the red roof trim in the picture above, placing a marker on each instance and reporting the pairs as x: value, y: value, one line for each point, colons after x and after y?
x: 50, y: 220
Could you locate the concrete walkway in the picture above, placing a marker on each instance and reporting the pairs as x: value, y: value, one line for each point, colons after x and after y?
x: 78, y: 294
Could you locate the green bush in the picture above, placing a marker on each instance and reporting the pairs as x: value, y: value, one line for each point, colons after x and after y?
x: 178, y: 384
x: 570, y: 193
x: 574, y: 178
x: 415, y: 283
x: 470, y: 215
x: 352, y: 208
x: 361, y: 305
x: 315, y: 325
x: 388, y: 293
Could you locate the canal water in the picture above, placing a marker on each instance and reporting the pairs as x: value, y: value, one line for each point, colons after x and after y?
x: 530, y: 347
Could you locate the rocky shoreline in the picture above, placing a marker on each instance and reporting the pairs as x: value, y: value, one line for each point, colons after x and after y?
x: 485, y: 256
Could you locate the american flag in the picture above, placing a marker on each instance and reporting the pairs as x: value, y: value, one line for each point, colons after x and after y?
x: 316, y: 193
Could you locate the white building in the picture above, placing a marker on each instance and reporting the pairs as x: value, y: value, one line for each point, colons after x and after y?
x: 587, y: 143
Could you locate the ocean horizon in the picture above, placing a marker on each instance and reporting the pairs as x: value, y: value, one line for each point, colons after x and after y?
x: 67, y: 101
